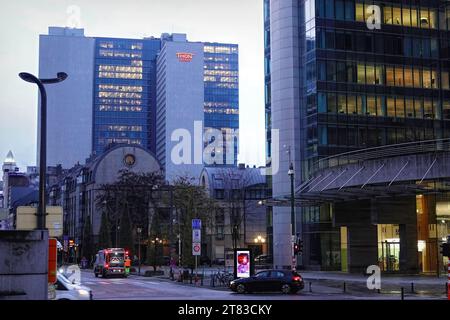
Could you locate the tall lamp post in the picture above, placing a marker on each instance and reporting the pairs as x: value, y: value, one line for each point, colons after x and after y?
x: 28, y: 77
x: 139, y: 231
x: 291, y: 175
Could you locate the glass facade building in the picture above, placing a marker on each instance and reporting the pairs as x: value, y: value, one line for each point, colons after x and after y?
x: 124, y: 92
x: 221, y: 107
x: 368, y: 88
x: 364, y: 86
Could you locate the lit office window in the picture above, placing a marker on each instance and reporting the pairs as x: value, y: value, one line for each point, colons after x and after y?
x: 399, y: 107
x: 359, y: 9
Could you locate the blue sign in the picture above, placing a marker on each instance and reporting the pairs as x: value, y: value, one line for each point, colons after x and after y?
x: 196, y: 224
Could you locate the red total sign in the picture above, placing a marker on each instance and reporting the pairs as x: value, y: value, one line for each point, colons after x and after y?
x: 184, y: 56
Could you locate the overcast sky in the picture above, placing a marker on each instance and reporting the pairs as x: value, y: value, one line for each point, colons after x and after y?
x: 21, y: 22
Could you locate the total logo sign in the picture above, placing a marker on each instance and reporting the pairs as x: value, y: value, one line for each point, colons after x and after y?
x: 196, y: 249
x: 184, y: 56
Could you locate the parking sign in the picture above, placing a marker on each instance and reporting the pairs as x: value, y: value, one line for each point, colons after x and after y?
x: 196, y: 224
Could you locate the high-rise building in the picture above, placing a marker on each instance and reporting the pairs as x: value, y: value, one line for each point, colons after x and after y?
x: 221, y: 106
x: 179, y: 111
x: 124, y: 92
x: 110, y: 95
x: 340, y: 83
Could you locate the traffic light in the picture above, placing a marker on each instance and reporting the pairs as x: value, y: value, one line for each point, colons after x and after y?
x: 445, y: 249
x: 298, y: 247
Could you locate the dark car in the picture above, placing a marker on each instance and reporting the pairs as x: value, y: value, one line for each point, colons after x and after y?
x: 286, y: 281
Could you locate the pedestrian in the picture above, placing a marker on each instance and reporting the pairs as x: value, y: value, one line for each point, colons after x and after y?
x: 83, y: 262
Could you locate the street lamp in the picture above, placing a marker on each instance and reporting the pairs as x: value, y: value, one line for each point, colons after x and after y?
x: 28, y: 77
x: 117, y: 232
x: 156, y: 241
x: 291, y: 175
x: 139, y: 231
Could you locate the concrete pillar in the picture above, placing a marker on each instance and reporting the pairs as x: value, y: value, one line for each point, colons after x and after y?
x: 362, y: 247
x: 24, y: 265
x: 286, y: 89
x: 408, y: 248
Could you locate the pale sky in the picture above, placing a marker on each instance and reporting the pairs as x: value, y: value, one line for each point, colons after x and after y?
x: 230, y: 21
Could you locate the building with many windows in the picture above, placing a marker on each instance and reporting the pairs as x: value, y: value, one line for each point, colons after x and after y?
x: 341, y: 83
x: 221, y: 106
x: 110, y: 95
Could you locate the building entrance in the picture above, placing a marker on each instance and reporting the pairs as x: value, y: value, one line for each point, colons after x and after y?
x: 388, y: 247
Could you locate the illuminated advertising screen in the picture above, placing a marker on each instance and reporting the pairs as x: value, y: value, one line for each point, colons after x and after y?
x: 243, y: 263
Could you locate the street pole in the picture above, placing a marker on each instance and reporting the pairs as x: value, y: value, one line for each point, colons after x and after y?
x: 61, y: 76
x: 291, y: 175
x: 139, y: 230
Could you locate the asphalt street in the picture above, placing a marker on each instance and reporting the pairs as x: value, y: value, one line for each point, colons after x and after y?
x: 151, y: 288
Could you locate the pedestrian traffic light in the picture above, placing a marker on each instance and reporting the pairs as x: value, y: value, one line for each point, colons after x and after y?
x: 445, y: 249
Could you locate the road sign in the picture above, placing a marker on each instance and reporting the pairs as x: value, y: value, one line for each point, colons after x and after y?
x: 196, y: 235
x: 196, y: 224
x: 196, y: 249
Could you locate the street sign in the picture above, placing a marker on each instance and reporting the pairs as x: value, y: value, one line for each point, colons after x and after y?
x: 196, y: 249
x: 196, y: 235
x: 196, y: 224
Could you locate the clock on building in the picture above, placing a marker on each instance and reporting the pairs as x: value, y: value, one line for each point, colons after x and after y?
x: 129, y: 160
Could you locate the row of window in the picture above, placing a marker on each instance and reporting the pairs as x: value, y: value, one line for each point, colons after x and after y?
x: 119, y: 128
x: 377, y: 74
x: 379, y: 43
x: 224, y: 73
x: 381, y: 106
x: 219, y: 104
x: 119, y: 68
x: 111, y: 45
x: 120, y: 75
x: 395, y: 14
x: 106, y: 94
x: 408, y: 16
x: 220, y: 79
x: 109, y: 108
x: 119, y: 141
x: 110, y: 87
x: 120, y: 54
x: 220, y: 49
x: 120, y: 101
x: 221, y: 110
x: 366, y: 137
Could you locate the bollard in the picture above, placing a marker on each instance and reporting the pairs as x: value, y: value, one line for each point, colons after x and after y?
x: 190, y: 278
x: 412, y: 287
x: 201, y: 280
x: 213, y: 278
x: 403, y: 293
x: 378, y: 290
x: 310, y: 289
x: 345, y: 287
x: 446, y: 288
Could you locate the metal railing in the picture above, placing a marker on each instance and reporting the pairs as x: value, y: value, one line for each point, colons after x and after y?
x: 382, y: 152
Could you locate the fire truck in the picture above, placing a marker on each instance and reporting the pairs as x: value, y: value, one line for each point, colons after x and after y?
x: 110, y: 261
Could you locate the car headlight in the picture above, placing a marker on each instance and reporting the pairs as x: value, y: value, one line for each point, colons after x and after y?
x: 83, y: 292
x: 232, y: 283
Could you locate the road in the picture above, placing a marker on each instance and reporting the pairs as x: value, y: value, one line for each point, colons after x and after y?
x: 143, y: 288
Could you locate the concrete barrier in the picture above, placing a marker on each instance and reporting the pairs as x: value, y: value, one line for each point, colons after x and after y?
x: 23, y: 265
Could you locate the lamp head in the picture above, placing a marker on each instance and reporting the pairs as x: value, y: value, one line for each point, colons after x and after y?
x: 28, y: 77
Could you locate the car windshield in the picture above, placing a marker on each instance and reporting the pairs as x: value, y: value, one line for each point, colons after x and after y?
x: 63, y: 278
x: 263, y: 274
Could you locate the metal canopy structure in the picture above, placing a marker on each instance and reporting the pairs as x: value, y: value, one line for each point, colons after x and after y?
x: 334, y: 178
